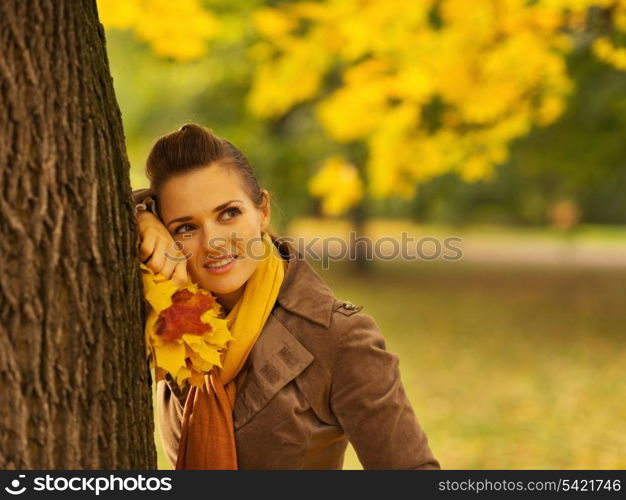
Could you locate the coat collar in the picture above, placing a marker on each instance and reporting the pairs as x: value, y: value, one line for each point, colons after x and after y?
x: 303, y: 291
x: 278, y: 357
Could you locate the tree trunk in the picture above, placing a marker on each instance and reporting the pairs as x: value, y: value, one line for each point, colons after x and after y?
x: 361, y: 248
x: 75, y: 387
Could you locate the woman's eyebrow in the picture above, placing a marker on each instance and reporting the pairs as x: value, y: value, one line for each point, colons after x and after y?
x: 189, y: 217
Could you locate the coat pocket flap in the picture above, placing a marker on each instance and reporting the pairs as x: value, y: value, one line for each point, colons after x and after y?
x: 276, y: 359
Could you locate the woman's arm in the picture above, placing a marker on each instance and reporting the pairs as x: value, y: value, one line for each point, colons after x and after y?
x: 156, y: 244
x: 368, y: 399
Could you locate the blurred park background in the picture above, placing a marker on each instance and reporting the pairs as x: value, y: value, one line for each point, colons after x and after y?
x: 500, y: 122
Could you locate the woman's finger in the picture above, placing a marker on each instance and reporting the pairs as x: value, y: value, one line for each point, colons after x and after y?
x: 146, y: 247
x: 157, y: 261
x: 180, y: 275
x: 171, y: 259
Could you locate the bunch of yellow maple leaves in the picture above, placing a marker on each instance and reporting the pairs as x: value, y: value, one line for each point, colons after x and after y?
x: 185, y: 329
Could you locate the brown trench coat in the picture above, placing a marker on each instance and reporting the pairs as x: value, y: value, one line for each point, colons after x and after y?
x: 317, y: 376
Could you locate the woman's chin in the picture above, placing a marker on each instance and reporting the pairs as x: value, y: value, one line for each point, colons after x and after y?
x: 218, y: 289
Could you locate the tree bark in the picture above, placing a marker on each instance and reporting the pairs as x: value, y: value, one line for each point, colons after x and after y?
x: 75, y: 387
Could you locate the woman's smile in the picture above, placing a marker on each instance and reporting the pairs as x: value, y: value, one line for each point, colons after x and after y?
x: 222, y: 265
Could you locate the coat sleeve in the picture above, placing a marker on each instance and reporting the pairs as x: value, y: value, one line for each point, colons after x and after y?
x: 369, y: 401
x: 146, y: 196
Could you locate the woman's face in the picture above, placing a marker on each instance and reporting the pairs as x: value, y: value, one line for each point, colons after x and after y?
x: 216, y: 226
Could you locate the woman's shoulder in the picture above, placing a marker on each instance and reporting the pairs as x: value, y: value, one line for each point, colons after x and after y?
x: 352, y: 325
x: 313, y: 313
x: 305, y: 293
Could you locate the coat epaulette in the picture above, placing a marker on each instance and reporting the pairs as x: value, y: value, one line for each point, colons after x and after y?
x: 348, y: 308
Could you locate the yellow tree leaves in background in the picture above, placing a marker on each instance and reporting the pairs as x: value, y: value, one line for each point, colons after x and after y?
x: 604, y: 48
x: 429, y: 87
x: 178, y: 29
x: 337, y: 184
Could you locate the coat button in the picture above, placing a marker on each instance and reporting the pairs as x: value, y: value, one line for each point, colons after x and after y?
x: 349, y: 305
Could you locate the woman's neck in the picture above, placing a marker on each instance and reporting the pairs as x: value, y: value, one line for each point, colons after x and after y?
x: 229, y: 300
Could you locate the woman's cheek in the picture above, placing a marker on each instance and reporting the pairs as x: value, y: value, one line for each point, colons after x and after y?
x: 254, y: 250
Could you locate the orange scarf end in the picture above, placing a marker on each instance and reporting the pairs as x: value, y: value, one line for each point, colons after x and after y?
x: 208, y: 417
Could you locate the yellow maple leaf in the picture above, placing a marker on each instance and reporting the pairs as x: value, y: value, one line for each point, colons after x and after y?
x: 177, y: 343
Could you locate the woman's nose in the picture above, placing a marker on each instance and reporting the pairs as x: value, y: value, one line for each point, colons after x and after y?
x: 216, y: 245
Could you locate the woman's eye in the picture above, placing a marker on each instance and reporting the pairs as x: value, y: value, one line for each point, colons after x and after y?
x: 232, y: 212
x: 181, y: 229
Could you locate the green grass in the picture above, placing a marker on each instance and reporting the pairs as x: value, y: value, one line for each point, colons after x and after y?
x: 507, y: 367
x: 513, y: 367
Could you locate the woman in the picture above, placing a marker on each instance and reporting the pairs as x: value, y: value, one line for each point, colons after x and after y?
x: 309, y: 375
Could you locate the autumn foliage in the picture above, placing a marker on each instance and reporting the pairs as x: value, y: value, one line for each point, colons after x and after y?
x: 428, y: 87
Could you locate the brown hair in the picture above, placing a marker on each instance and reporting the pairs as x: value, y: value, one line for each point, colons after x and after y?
x: 193, y: 146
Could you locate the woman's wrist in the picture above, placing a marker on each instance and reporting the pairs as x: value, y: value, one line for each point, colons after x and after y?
x: 144, y: 215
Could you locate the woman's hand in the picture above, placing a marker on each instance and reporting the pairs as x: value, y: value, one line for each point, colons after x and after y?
x: 158, y: 250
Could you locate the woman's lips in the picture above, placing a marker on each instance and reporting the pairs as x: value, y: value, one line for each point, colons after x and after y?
x: 221, y: 265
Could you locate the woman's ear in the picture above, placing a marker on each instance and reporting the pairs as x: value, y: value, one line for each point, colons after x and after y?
x: 266, y: 211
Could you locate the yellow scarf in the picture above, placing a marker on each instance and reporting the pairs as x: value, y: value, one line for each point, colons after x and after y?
x: 207, y: 438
